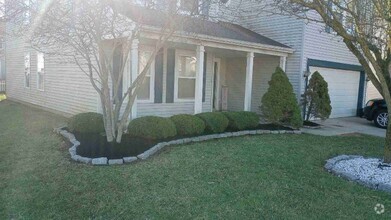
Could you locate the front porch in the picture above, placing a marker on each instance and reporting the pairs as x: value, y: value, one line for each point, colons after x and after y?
x: 193, y: 77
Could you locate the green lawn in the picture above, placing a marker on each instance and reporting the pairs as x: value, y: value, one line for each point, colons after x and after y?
x: 258, y: 177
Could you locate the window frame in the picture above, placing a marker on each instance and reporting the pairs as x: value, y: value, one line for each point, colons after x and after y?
x: 178, y: 54
x: 151, y: 76
x: 42, y: 73
x: 29, y: 69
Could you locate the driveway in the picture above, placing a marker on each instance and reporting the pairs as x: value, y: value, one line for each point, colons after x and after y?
x: 340, y: 126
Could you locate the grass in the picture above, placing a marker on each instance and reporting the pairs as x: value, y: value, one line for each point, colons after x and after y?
x: 258, y: 177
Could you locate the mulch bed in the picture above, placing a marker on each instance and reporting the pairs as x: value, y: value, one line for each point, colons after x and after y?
x: 95, y: 145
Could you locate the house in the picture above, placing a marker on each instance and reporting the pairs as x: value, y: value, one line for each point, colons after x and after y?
x: 208, y: 65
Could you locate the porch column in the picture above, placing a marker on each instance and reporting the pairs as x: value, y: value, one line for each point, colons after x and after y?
x: 134, y: 72
x: 199, y: 79
x: 283, y: 63
x: 249, y: 81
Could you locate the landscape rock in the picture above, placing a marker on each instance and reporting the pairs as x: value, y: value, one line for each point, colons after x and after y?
x: 75, y: 157
x: 366, y: 171
x: 85, y: 160
x: 116, y: 161
x: 99, y: 161
x: 129, y: 159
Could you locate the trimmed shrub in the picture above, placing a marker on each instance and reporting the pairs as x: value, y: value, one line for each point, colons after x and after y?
x: 316, y: 98
x: 279, y: 104
x: 215, y: 122
x: 242, y: 120
x: 188, y: 125
x: 152, y: 127
x: 89, y: 122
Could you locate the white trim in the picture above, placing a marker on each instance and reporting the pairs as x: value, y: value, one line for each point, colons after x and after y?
x: 200, y: 54
x: 283, y: 63
x: 179, y: 53
x: 249, y: 81
x: 29, y: 67
x: 218, y: 85
x: 164, y: 87
x: 134, y: 72
x: 42, y: 73
x: 151, y: 77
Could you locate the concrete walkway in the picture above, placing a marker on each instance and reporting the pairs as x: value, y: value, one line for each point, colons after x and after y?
x: 340, y: 126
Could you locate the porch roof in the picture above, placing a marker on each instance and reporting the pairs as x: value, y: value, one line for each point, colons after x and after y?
x: 199, y: 26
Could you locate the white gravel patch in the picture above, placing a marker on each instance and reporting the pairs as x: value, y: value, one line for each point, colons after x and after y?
x: 370, y: 172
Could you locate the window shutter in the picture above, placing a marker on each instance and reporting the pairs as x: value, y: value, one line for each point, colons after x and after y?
x: 159, y: 76
x: 204, y: 79
x: 170, y: 75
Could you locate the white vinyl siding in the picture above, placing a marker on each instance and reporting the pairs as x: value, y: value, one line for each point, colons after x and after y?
x: 284, y: 29
x: 371, y: 92
x: 67, y: 90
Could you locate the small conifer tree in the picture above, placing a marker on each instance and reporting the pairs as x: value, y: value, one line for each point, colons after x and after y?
x: 316, y: 98
x: 279, y: 104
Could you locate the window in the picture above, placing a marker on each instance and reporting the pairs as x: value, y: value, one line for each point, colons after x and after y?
x: 341, y: 15
x: 189, y: 6
x: 185, y: 77
x: 40, y: 71
x: 27, y: 70
x: 146, y: 91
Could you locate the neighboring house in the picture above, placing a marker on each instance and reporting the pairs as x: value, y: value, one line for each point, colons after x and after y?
x: 317, y: 48
x: 209, y: 66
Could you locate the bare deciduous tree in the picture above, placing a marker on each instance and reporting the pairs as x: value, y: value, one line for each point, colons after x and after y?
x: 90, y: 33
x: 365, y: 28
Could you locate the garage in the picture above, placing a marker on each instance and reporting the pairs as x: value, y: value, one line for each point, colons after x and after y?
x: 344, y: 86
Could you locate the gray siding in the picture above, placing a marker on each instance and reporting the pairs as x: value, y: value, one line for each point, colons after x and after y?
x: 235, y: 77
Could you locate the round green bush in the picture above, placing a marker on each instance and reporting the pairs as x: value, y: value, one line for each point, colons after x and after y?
x: 188, y: 125
x: 242, y: 120
x: 216, y: 122
x: 89, y: 122
x: 152, y: 127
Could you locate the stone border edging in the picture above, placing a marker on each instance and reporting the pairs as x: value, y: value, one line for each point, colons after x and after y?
x: 146, y: 154
x: 330, y: 163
